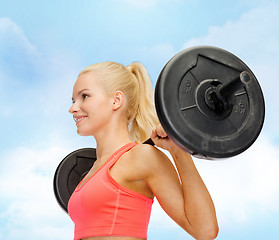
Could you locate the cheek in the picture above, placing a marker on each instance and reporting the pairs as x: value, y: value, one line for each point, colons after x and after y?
x: 99, y: 114
x: 96, y: 106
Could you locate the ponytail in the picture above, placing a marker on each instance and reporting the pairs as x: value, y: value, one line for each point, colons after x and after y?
x: 145, y: 118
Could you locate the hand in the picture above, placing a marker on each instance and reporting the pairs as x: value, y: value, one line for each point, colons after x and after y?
x: 161, y: 139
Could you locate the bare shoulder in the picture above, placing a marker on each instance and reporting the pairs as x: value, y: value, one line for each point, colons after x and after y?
x: 146, y: 152
x: 147, y: 158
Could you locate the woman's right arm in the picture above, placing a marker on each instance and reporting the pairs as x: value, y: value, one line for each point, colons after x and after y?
x: 184, y: 196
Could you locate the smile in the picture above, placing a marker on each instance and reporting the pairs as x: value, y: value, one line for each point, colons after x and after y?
x: 78, y: 119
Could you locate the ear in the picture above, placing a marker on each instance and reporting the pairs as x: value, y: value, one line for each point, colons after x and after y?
x: 118, y: 100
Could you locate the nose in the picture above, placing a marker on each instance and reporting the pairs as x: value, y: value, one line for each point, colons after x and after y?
x: 74, y: 108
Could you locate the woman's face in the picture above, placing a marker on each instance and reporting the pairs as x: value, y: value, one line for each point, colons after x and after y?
x: 92, y: 107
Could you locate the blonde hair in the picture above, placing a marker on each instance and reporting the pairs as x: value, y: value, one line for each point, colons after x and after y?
x: 134, y: 81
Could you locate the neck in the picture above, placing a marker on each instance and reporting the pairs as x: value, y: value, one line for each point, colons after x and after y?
x: 111, y: 140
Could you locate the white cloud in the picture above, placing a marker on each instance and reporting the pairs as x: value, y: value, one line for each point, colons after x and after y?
x: 245, y: 186
x: 12, y: 34
x: 18, y: 62
x: 19, y: 58
x: 19, y: 68
x: 26, y: 188
x: 253, y: 38
x: 255, y: 27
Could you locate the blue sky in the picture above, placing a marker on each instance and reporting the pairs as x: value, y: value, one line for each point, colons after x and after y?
x: 44, y: 45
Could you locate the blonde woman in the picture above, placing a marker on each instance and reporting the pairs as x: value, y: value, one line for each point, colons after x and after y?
x: 114, y: 104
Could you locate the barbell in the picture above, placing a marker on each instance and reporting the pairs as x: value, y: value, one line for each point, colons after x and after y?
x: 207, y: 100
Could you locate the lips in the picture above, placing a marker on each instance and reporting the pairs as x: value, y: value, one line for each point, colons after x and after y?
x: 78, y: 119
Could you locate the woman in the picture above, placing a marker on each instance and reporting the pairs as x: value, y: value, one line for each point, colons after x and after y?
x: 114, y: 104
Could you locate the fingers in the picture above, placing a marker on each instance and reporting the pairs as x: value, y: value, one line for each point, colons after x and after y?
x: 160, y: 138
x: 160, y: 131
x: 155, y: 136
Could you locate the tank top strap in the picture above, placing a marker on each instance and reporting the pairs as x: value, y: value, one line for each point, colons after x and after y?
x: 120, y: 152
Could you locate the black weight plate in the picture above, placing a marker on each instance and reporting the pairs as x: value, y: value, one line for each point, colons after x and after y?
x: 70, y: 172
x: 177, y: 89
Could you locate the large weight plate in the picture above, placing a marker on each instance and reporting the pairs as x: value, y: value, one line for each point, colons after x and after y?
x: 181, y: 116
x: 70, y: 172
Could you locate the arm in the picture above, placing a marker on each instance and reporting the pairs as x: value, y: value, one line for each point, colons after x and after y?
x: 191, y: 205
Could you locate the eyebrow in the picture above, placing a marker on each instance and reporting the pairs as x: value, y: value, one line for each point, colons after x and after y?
x: 85, y: 89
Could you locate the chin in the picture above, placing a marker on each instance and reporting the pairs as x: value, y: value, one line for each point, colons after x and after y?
x: 82, y: 133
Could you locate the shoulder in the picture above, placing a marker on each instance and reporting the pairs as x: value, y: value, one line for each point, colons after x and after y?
x: 145, y: 152
x: 146, y: 158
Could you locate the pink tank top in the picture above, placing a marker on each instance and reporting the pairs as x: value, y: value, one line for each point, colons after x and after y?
x: 102, y: 207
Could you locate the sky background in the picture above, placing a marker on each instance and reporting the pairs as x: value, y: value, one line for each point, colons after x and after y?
x: 43, y: 47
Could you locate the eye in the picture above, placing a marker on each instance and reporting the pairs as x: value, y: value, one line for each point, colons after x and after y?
x: 84, y: 96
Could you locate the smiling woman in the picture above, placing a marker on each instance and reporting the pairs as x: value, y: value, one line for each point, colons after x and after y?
x: 113, y: 201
